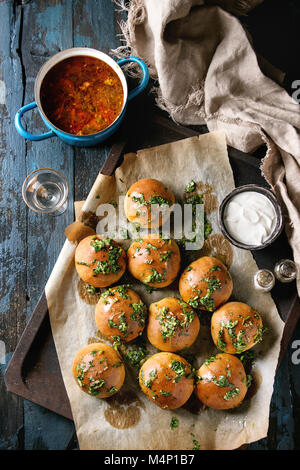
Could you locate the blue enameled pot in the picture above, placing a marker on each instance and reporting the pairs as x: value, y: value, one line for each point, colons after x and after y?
x: 80, y: 140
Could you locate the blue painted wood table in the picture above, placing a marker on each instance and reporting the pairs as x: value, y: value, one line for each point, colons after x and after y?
x: 30, y: 32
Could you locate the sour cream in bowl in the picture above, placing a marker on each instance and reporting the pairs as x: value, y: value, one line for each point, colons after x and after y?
x: 251, y: 217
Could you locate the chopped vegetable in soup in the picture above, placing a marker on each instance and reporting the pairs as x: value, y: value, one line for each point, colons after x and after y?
x: 82, y: 95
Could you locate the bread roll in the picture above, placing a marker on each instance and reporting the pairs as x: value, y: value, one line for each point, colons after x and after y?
x: 205, y: 284
x: 154, y: 261
x: 166, y: 379
x: 221, y: 382
x: 100, y: 261
x: 121, y: 312
x: 236, y: 327
x: 172, y: 325
x: 98, y: 370
x: 141, y: 198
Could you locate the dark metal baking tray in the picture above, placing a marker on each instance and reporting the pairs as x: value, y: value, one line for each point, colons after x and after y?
x: 34, y: 371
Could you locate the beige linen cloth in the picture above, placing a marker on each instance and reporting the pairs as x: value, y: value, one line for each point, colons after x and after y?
x: 129, y: 420
x: 208, y: 73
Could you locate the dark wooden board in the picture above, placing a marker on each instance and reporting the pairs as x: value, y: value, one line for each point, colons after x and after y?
x: 34, y: 372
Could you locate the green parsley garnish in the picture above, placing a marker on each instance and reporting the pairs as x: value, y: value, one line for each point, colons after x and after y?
x: 179, y: 368
x: 91, y: 289
x: 174, y: 423
x: 139, y: 313
x: 155, y: 276
x: 259, y: 335
x: 165, y: 394
x: 190, y: 187
x: 152, y: 376
x: 136, y: 356
x: 209, y: 360
x: 95, y: 387
x: 231, y: 394
x: 240, y: 342
x: 165, y: 255
x: 170, y: 323
x: 111, y: 265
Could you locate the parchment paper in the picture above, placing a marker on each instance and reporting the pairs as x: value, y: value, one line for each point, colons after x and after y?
x: 129, y: 420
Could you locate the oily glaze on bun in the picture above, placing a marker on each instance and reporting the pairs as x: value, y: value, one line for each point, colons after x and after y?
x: 205, y: 284
x: 121, y: 312
x: 166, y: 379
x: 221, y: 382
x: 100, y: 261
x: 98, y: 370
x: 140, y: 199
x: 154, y: 261
x: 172, y: 325
x: 236, y: 327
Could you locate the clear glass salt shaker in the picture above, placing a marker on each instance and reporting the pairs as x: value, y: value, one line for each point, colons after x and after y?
x: 285, y: 270
x: 264, y: 280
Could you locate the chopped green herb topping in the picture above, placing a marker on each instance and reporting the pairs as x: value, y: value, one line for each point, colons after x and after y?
x: 249, y: 380
x: 111, y: 265
x: 152, y: 376
x: 174, y: 423
x: 139, y: 313
x: 158, y: 200
x: 155, y: 276
x: 170, y: 323
x: 91, y: 289
x: 231, y: 394
x: 206, y: 301
x: 209, y: 360
x: 150, y: 289
x: 179, y: 368
x: 123, y: 291
x: 248, y: 358
x: 165, y: 255
x: 240, y: 342
x: 136, y: 356
x: 100, y: 244
x: 222, y: 381
x: 165, y: 394
x: 230, y: 327
x: 117, y: 364
x: 190, y: 187
x: 259, y: 335
x: 215, y: 268
x: 221, y: 343
x: 196, y: 445
x: 95, y: 387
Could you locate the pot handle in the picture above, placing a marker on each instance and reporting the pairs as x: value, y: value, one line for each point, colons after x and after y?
x: 21, y: 129
x: 145, y: 79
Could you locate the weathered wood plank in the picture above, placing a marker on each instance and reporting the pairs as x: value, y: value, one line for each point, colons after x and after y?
x: 13, y: 221
x: 47, y: 29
